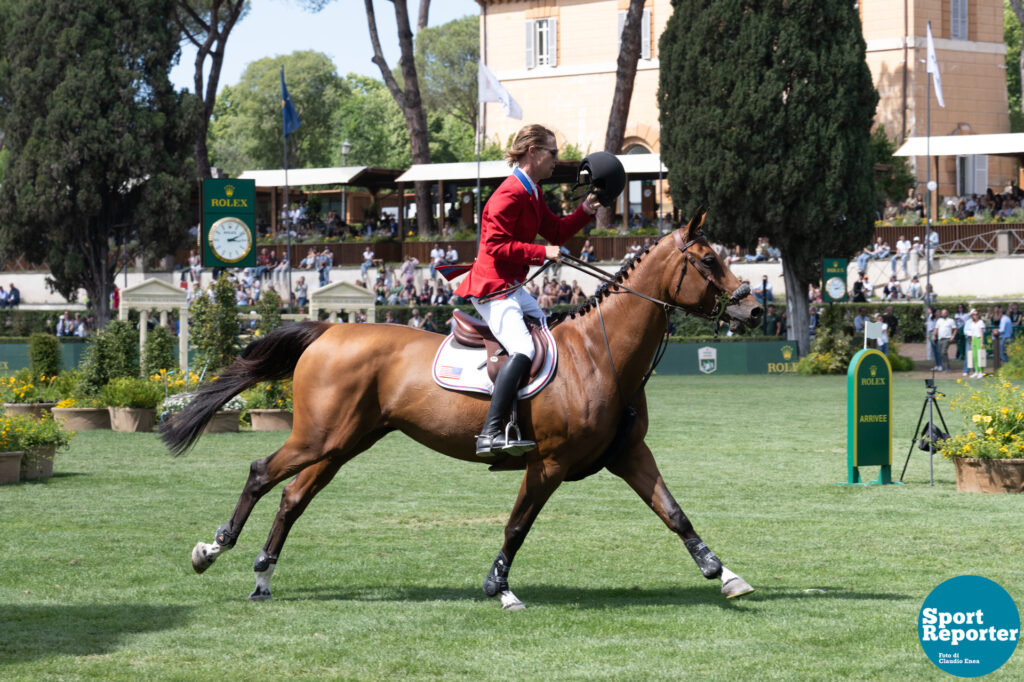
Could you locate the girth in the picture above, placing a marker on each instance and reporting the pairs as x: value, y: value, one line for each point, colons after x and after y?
x: 474, y: 332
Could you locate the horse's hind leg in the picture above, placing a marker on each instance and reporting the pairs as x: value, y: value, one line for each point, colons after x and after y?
x: 638, y: 468
x: 539, y: 482
x: 294, y: 499
x: 264, y: 474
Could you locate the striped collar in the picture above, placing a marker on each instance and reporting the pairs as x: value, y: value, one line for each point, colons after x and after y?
x: 525, y: 181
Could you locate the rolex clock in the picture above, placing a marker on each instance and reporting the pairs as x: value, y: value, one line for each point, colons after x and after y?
x: 835, y: 287
x: 229, y: 214
x: 230, y: 240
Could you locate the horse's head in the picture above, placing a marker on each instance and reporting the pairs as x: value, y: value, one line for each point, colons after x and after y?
x: 705, y: 286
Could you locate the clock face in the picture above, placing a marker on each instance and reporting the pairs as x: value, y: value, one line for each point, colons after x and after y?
x: 230, y: 240
x: 836, y: 288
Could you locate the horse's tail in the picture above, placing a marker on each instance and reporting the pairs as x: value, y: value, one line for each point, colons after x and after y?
x: 270, y: 358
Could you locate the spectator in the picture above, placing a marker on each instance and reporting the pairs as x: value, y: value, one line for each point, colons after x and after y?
x: 587, y: 254
x: 894, y: 322
x: 914, y: 288
x: 578, y: 297
x: 1005, y: 335
x: 272, y: 263
x: 367, y: 261
x: 195, y: 266
x: 3, y: 297
x: 961, y: 317
x: 891, y: 210
x: 880, y: 250
x: 282, y: 270
x: 436, y: 259
x: 13, y: 296
x: 262, y: 261
x: 932, y: 247
x: 408, y: 270
x: 301, y: 292
x: 389, y: 318
x: 772, y: 322
x: 945, y: 334
x: 429, y: 324
x: 913, y: 203
x: 814, y: 320
x: 309, y: 262
x: 1014, y: 313
x: 324, y: 262
x: 861, y: 289
x: 862, y: 259
x: 891, y: 291
x: 859, y: 321
x: 929, y: 333
x: 883, y: 338
x: 451, y: 255
x: 974, y: 331
x: 416, y: 322
x: 916, y: 254
x: 929, y: 295
x: 81, y: 326
x: 901, y: 255
x: 763, y: 293
x: 65, y: 325
x: 115, y: 298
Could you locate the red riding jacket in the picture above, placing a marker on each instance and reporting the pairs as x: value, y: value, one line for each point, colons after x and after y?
x: 511, y: 221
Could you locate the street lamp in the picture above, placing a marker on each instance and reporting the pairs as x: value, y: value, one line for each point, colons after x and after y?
x: 345, y: 149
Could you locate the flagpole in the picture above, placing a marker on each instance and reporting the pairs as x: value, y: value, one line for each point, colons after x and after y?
x: 928, y: 242
x: 479, y: 146
x: 287, y: 214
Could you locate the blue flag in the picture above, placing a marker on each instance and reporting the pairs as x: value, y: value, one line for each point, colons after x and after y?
x: 289, y: 117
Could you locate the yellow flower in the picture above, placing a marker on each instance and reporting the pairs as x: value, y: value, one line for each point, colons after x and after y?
x: 976, y: 418
x: 988, y: 418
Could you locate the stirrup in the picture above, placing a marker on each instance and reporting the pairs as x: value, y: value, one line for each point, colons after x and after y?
x: 515, y: 447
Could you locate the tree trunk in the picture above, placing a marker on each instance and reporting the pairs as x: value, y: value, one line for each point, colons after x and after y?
x: 798, y: 318
x: 629, y: 55
x: 408, y: 100
x: 424, y: 13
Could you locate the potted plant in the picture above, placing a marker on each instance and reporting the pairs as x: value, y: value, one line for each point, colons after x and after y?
x: 26, y: 394
x: 132, y: 403
x: 36, y: 440
x: 224, y: 420
x: 77, y: 410
x: 270, y: 405
x: 989, y: 457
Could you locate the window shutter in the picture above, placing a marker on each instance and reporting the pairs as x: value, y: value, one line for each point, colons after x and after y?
x: 553, y: 41
x: 958, y: 19
x: 531, y: 58
x: 980, y: 173
x: 645, y: 35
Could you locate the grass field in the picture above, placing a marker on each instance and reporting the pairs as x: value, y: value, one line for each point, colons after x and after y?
x: 381, y: 577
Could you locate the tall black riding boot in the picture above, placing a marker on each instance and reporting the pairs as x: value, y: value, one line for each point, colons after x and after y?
x: 493, y: 439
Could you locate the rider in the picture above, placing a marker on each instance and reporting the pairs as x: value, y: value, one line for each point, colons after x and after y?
x: 511, y: 220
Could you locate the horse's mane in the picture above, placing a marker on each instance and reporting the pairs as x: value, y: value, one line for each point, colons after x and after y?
x: 604, y: 290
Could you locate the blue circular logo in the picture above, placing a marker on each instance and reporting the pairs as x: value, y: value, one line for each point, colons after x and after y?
x: 968, y: 626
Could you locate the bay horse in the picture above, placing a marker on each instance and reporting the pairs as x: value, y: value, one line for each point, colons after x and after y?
x: 354, y: 383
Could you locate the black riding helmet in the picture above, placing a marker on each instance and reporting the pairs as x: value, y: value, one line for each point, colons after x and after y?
x: 602, y: 174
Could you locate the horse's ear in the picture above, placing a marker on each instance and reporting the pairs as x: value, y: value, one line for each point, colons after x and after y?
x: 695, y: 224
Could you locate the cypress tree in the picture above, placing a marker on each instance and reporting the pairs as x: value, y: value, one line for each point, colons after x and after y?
x: 766, y: 112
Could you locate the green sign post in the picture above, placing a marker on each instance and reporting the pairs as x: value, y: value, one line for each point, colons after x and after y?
x: 228, y: 239
x: 833, y: 277
x: 869, y: 415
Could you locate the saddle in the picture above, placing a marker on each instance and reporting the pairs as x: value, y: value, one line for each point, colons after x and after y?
x: 473, y: 332
x: 469, y: 358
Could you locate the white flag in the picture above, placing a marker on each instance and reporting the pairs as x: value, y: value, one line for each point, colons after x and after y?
x: 873, y: 330
x: 490, y: 89
x: 933, y: 67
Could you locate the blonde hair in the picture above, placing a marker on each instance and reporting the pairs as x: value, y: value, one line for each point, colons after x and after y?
x: 529, y: 135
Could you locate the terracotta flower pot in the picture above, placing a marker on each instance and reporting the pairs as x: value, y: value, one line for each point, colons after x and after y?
x: 82, y: 418
x: 132, y: 419
x: 975, y: 475
x: 224, y: 421
x: 38, y: 462
x: 10, y: 466
x: 29, y: 409
x: 271, y: 420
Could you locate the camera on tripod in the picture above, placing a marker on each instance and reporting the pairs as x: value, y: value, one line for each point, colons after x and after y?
x: 931, y: 435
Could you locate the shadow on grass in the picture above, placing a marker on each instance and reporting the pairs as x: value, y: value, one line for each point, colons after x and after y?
x: 40, y: 631
x: 584, y: 597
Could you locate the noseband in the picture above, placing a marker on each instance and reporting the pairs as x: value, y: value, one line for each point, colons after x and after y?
x: 722, y: 300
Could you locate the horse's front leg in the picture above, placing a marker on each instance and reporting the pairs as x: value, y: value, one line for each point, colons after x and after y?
x: 638, y: 468
x: 540, y: 481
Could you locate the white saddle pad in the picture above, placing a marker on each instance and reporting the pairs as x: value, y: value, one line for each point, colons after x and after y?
x: 461, y: 368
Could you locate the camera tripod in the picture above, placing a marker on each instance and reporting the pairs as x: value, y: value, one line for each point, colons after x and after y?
x: 930, y: 434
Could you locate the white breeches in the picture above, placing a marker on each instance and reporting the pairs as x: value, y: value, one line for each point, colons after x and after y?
x: 505, y: 318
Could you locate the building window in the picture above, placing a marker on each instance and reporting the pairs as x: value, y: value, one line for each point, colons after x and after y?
x: 645, y: 33
x: 958, y: 19
x: 541, y: 42
x: 971, y: 175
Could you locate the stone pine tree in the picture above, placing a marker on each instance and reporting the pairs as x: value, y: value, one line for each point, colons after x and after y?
x: 766, y: 113
x: 98, y: 141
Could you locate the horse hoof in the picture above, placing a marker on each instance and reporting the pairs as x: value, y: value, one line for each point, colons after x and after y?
x: 736, y: 587
x: 201, y: 559
x: 510, y: 602
x: 260, y: 594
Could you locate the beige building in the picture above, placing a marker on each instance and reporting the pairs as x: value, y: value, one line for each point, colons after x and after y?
x: 557, y: 58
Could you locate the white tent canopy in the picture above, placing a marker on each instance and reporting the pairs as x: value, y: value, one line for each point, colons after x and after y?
x: 299, y: 177
x: 1003, y: 144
